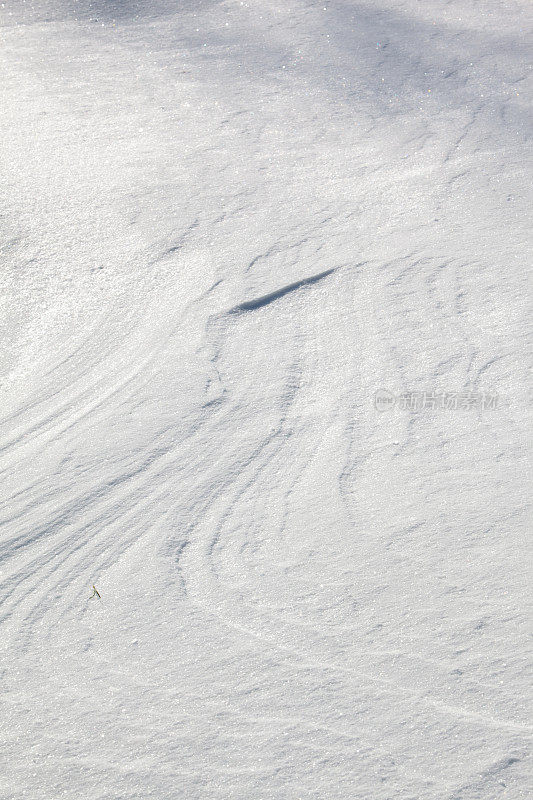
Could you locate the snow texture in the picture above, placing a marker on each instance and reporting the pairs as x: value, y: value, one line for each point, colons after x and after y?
x: 225, y: 226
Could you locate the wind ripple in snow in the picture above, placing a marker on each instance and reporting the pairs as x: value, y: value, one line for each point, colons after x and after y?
x: 300, y: 597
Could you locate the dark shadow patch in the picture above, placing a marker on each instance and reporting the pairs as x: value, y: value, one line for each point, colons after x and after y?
x: 266, y: 299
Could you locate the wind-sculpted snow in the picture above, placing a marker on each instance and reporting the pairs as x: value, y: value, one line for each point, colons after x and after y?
x: 228, y: 229
x: 260, y: 302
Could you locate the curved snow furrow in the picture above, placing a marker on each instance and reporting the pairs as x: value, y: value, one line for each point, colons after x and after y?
x: 239, y: 606
x: 234, y: 508
x: 270, y: 484
x: 103, y: 408
x: 115, y: 512
x: 99, y: 394
x: 235, y: 223
x: 302, y: 660
x: 251, y: 484
x: 151, y: 473
x: 259, y: 458
x: 148, y: 469
x: 298, y: 450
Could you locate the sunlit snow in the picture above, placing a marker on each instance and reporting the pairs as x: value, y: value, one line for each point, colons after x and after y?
x: 264, y: 387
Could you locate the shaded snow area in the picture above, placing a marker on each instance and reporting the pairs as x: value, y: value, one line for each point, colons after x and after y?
x: 264, y: 384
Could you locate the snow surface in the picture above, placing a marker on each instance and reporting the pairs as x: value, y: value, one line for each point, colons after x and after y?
x: 225, y: 225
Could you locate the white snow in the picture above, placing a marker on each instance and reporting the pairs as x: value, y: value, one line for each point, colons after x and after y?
x: 224, y: 226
